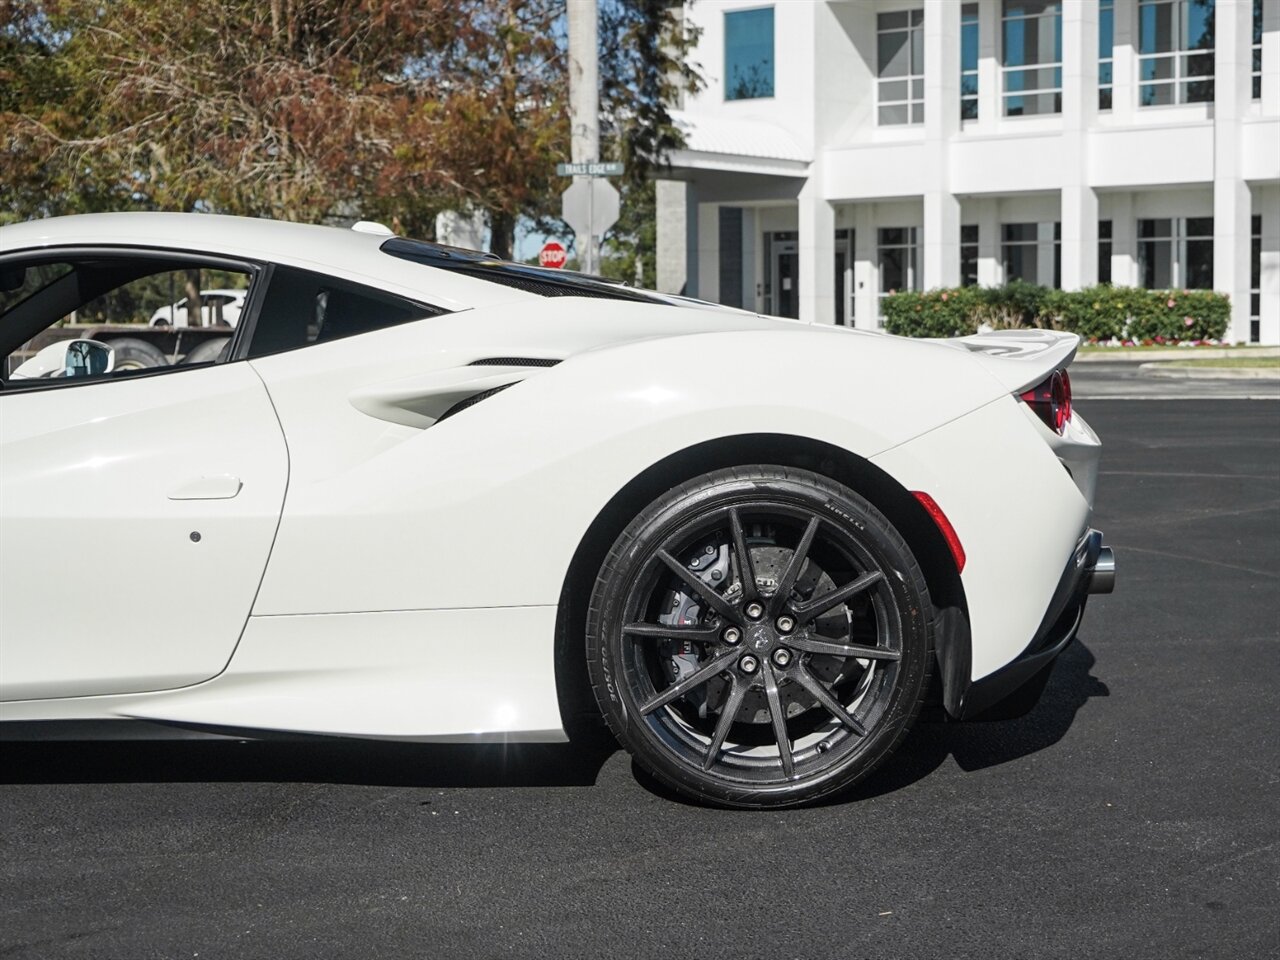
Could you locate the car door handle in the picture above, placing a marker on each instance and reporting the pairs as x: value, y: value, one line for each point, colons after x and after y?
x: 220, y: 486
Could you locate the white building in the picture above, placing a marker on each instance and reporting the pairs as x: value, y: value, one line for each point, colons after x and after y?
x: 845, y: 148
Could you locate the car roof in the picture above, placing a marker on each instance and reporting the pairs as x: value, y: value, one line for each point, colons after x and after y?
x: 350, y: 254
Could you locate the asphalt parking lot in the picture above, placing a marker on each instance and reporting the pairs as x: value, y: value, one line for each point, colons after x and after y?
x: 1133, y: 814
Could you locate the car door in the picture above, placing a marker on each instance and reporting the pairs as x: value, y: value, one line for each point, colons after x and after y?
x: 137, y: 510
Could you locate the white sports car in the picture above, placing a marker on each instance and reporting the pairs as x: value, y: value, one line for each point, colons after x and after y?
x: 428, y: 495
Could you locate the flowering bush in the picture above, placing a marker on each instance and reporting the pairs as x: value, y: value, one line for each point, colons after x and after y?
x: 1102, y: 313
x: 936, y: 313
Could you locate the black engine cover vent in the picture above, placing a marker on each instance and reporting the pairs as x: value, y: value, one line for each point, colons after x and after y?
x: 514, y: 362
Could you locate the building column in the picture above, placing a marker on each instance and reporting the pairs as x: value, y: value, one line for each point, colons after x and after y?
x: 866, y: 273
x: 677, y: 240
x: 990, y: 268
x: 1124, y: 241
x: 708, y: 275
x: 1268, y: 198
x: 1124, y: 62
x: 1044, y: 253
x: 940, y: 244
x: 1079, y: 203
x: 817, y: 249
x: 1232, y: 204
x: 989, y: 79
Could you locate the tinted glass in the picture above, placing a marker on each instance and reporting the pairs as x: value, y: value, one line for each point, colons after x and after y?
x: 748, y: 54
x: 302, y: 308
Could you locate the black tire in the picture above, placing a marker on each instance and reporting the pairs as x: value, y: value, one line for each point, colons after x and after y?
x: 134, y: 354
x: 840, y: 641
x: 209, y: 351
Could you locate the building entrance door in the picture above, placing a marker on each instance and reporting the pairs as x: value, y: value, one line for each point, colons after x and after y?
x: 784, y: 276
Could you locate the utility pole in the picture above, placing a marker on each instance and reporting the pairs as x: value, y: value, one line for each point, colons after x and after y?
x: 584, y: 101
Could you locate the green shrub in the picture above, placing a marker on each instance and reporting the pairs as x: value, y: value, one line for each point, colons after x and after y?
x: 1180, y: 315
x: 1017, y: 304
x: 1098, y: 313
x: 935, y: 313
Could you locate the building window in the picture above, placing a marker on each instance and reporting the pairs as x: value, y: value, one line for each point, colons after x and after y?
x: 900, y: 53
x: 1104, y: 251
x: 1257, y: 49
x: 969, y: 62
x: 748, y: 54
x: 969, y: 255
x: 1032, y: 57
x: 1255, y: 279
x: 1175, y: 51
x: 1176, y: 252
x: 1106, y: 45
x: 1021, y: 251
x: 898, y: 255
x: 731, y: 256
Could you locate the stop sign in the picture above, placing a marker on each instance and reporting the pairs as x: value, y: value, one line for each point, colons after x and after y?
x: 552, y: 255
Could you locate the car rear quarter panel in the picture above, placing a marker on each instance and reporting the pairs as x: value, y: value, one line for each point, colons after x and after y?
x: 487, y: 508
x: 1017, y: 511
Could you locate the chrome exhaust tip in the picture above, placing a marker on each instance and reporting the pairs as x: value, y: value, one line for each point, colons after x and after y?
x: 1103, y: 577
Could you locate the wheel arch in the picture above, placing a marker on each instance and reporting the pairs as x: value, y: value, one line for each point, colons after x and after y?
x: 951, y: 617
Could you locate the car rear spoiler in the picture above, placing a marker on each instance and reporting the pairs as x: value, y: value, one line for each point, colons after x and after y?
x: 1020, y: 358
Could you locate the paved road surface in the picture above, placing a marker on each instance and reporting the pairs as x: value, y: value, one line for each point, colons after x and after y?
x: 1133, y: 814
x: 1118, y: 379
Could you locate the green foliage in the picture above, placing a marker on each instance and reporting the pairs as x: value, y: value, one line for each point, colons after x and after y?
x: 1180, y: 315
x: 1098, y: 313
x: 935, y: 313
x: 1018, y: 304
x: 335, y: 110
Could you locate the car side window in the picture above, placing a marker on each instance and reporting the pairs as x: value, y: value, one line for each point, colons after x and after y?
x: 301, y: 308
x: 71, y: 319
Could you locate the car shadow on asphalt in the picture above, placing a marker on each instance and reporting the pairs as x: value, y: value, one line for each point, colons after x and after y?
x: 315, y: 760
x: 980, y: 744
x: 974, y: 746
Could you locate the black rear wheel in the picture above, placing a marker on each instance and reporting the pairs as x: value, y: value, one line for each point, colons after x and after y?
x: 759, y: 637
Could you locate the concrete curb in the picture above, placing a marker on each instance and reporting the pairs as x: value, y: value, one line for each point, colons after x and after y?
x: 1169, y: 372
x: 1125, y: 355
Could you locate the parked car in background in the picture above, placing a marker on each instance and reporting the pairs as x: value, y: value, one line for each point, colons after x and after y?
x: 216, y: 306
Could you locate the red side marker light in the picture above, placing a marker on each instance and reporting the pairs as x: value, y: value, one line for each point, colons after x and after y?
x: 944, y: 527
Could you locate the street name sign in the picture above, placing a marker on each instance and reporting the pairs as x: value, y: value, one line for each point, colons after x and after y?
x: 594, y: 168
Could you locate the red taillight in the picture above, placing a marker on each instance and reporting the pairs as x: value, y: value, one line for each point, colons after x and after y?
x: 1051, y: 400
x: 944, y: 527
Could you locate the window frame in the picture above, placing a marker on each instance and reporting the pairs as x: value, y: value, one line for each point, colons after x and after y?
x: 773, y: 59
x: 912, y: 264
x: 1106, y: 63
x: 255, y: 270
x: 970, y: 21
x: 1006, y: 245
x: 1007, y: 70
x: 911, y: 78
x: 1255, y: 62
x: 1180, y: 79
x: 970, y: 253
x: 1177, y: 239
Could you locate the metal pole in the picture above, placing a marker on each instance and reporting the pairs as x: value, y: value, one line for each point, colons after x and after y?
x: 584, y: 100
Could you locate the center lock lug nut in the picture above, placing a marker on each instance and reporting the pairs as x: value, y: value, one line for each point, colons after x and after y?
x: 754, y: 611
x: 731, y: 635
x: 782, y: 656
x: 786, y: 624
x: 749, y: 664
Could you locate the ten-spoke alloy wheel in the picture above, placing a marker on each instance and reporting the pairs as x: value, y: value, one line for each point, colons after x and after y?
x: 759, y: 637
